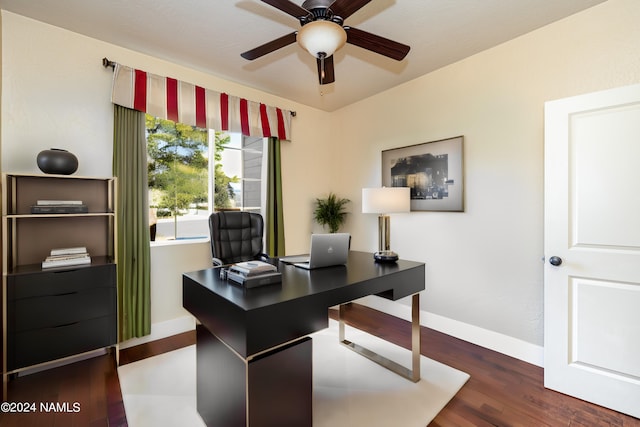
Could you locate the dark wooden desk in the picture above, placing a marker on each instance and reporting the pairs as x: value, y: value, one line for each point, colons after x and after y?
x: 253, y: 354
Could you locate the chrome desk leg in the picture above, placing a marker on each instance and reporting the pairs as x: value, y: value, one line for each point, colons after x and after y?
x: 412, y: 374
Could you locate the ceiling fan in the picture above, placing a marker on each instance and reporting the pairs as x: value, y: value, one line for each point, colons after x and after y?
x: 322, y: 33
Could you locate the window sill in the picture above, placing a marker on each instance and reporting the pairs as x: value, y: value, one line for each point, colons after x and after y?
x: 187, y: 241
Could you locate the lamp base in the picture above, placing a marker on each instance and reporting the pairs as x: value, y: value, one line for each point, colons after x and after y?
x: 385, y: 256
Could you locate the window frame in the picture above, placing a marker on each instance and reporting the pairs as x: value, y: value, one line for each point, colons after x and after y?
x: 246, y: 151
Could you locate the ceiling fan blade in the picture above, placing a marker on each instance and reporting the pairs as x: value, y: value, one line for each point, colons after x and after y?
x: 377, y: 44
x: 269, y: 47
x: 288, y: 7
x: 325, y: 70
x: 346, y: 8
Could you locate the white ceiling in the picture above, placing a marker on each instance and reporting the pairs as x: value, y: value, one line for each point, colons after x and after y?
x: 209, y: 35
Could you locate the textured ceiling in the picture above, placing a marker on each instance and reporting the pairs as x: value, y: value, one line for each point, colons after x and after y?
x: 209, y: 35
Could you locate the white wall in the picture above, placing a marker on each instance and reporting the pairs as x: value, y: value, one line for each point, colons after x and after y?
x: 484, y: 266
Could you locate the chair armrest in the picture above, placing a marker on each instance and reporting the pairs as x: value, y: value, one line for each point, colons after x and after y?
x: 217, y: 262
x: 265, y: 257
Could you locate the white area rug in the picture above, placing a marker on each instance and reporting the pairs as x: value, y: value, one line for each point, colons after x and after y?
x: 348, y: 389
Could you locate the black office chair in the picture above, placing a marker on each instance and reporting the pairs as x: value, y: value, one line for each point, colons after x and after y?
x: 236, y: 237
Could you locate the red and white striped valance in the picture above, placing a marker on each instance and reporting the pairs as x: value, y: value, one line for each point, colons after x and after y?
x: 193, y: 105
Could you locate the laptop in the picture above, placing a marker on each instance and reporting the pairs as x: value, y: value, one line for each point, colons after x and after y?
x: 326, y: 250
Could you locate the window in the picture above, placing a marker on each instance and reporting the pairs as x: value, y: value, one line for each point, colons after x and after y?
x: 241, y: 158
x: 193, y: 171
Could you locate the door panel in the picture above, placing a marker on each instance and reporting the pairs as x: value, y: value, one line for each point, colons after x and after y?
x: 592, y: 222
x: 598, y: 341
x: 602, y: 202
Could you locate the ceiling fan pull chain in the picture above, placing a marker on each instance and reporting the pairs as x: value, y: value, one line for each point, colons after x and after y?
x: 322, y: 55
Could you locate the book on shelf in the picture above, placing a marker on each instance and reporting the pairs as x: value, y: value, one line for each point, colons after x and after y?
x: 67, y: 256
x: 69, y: 251
x: 50, y: 262
x: 58, y: 202
x: 59, y: 209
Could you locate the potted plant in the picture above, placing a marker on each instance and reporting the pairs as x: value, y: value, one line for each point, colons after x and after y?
x: 330, y: 212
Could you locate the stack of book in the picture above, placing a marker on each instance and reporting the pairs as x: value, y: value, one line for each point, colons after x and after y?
x: 58, y: 206
x: 63, y: 257
x: 251, y: 274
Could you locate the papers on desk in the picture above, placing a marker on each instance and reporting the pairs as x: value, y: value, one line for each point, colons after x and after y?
x: 252, y: 268
x: 251, y: 274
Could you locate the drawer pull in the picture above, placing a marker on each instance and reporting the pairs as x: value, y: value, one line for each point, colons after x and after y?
x: 65, y: 294
x: 64, y: 271
x: 65, y: 325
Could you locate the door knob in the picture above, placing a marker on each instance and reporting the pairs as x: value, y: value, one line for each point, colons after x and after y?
x: 555, y: 260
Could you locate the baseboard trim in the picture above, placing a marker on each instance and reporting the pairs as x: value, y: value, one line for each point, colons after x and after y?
x: 491, y: 340
x: 501, y: 343
x: 163, y: 329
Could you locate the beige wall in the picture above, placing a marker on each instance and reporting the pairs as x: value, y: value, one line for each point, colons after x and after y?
x: 484, y: 266
x: 56, y: 93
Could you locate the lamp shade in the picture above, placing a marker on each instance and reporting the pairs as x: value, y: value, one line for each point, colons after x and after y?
x: 321, y: 37
x: 386, y: 200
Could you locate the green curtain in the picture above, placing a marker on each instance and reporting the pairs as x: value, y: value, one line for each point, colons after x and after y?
x: 132, y: 217
x: 274, y: 215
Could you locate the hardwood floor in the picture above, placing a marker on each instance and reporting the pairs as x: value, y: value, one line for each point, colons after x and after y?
x: 502, y: 391
x: 83, y: 394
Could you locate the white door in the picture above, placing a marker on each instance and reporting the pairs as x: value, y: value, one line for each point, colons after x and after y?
x: 592, y: 235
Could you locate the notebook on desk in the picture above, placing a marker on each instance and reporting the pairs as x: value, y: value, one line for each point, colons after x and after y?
x: 326, y: 250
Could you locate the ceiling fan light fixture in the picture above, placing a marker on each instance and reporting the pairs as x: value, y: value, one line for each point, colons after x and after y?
x: 321, y: 37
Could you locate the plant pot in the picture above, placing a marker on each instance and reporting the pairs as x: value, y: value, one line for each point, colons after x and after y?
x: 57, y: 161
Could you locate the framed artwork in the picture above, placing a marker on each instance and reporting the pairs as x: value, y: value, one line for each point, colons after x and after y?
x: 432, y: 170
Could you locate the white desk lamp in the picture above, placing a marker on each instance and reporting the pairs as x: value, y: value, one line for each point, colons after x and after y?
x: 384, y: 201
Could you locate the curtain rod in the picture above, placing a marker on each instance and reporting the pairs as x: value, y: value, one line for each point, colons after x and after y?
x: 107, y: 63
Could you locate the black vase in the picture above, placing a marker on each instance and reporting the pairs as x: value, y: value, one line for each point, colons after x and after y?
x: 57, y: 161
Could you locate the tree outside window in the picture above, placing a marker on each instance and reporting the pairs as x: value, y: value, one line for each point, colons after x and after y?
x: 179, y: 159
x: 194, y: 171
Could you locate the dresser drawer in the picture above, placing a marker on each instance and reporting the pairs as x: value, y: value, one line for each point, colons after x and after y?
x: 61, y: 309
x: 42, y: 345
x: 60, y: 281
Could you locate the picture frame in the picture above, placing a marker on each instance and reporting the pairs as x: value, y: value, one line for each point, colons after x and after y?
x: 434, y: 171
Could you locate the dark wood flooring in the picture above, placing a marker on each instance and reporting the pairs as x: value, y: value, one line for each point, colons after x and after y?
x: 502, y: 391
x: 87, y: 394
